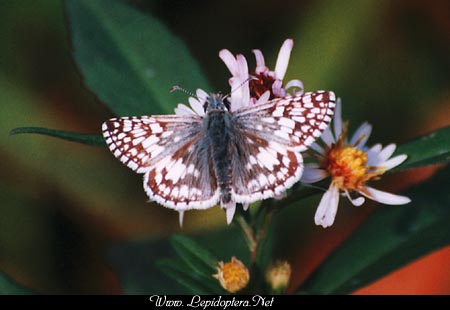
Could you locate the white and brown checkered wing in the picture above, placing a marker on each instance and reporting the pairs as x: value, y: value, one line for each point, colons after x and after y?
x: 269, y: 137
x: 171, y: 154
x: 295, y: 122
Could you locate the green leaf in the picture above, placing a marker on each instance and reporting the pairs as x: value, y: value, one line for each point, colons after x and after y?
x: 430, y: 149
x: 134, y: 261
x: 194, y: 255
x: 95, y: 140
x: 10, y: 287
x: 392, y: 237
x: 129, y: 59
x: 182, y: 274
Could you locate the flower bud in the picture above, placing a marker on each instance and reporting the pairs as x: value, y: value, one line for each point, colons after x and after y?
x: 233, y: 276
x: 278, y: 275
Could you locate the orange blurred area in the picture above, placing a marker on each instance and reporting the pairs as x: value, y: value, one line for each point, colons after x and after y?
x: 429, y: 275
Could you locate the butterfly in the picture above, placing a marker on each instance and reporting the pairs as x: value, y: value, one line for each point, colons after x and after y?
x: 199, y: 160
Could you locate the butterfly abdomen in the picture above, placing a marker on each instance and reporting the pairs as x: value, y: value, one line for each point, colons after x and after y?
x: 218, y: 128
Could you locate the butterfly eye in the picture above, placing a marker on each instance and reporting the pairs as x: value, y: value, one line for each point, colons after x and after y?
x: 226, y: 102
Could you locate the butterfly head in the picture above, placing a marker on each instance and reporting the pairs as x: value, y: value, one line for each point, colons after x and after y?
x: 216, y: 102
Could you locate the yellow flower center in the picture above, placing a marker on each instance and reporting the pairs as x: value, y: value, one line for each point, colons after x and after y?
x: 347, y: 165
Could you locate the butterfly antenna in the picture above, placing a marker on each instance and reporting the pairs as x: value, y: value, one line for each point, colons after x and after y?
x: 176, y: 87
x: 251, y: 77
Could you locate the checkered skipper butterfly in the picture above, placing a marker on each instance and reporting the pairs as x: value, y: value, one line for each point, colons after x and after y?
x: 194, y: 161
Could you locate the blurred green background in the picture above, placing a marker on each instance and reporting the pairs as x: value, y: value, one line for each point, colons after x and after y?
x: 63, y: 204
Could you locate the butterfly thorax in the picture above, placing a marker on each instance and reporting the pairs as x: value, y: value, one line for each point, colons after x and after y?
x: 218, y: 126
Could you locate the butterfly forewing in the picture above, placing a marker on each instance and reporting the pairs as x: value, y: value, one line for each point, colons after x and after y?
x: 139, y: 142
x: 172, y: 154
x: 266, y: 158
x: 294, y: 121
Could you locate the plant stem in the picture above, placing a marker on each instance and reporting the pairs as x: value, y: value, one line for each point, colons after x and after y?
x: 254, y: 238
x: 248, y: 233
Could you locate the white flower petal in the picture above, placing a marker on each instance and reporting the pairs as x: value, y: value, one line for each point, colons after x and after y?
x: 245, y: 206
x: 387, y: 152
x: 327, y: 137
x: 361, y: 135
x: 312, y: 165
x: 260, y: 64
x: 394, y: 161
x: 181, y: 217
x: 229, y: 60
x: 373, y: 155
x: 317, y: 148
x: 283, y: 58
x: 230, y: 209
x: 182, y: 109
x: 337, y: 121
x: 357, y: 202
x: 386, y: 198
x: 295, y: 84
x: 326, y: 211
x: 313, y: 175
x: 196, y: 106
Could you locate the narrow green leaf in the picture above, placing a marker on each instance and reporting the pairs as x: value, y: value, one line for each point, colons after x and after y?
x: 194, y: 255
x: 10, y: 287
x: 129, y: 59
x: 392, y: 237
x: 430, y: 149
x: 176, y: 270
x: 95, y: 140
x: 182, y: 273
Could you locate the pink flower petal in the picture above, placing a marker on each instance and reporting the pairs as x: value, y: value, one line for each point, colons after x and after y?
x: 201, y: 95
x: 327, y: 209
x: 182, y: 109
x: 283, y: 58
x: 260, y: 64
x: 295, y: 84
x: 386, y: 198
x: 240, y: 91
x: 277, y: 89
x: 197, y: 106
x: 264, y: 97
x: 229, y: 60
